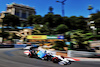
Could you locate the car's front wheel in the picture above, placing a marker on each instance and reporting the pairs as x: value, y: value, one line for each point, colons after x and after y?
x: 45, y: 58
x: 30, y: 56
x: 69, y: 63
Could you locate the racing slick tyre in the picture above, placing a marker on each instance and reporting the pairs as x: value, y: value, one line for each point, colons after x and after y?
x: 37, y: 57
x: 61, y: 63
x: 69, y: 63
x: 45, y: 58
x: 55, y: 60
x: 30, y: 56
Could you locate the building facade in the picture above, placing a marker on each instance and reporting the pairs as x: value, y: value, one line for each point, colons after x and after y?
x: 21, y: 11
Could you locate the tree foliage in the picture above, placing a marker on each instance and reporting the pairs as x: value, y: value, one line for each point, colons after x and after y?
x: 77, y: 23
x: 34, y: 19
x: 53, y: 21
x: 62, y: 28
x: 95, y: 16
x: 50, y: 22
x: 58, y: 45
x: 49, y: 18
x: 90, y: 7
x: 80, y: 38
x: 11, y: 20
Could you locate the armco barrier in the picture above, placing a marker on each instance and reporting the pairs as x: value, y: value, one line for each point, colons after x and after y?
x: 72, y: 53
x: 23, y: 45
x: 20, y: 45
x: 6, y: 46
x: 15, y: 46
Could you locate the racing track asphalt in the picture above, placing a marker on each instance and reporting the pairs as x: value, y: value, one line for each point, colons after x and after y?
x: 14, y: 57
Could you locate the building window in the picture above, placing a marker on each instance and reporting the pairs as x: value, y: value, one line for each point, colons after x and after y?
x: 17, y: 14
x: 23, y: 15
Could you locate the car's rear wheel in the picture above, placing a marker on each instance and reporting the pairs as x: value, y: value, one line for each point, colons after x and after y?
x: 37, y: 57
x: 30, y: 56
x: 55, y: 60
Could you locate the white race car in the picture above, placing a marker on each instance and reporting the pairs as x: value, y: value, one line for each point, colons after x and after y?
x: 61, y: 60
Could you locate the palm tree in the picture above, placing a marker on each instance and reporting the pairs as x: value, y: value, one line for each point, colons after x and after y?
x: 90, y: 8
x: 50, y: 9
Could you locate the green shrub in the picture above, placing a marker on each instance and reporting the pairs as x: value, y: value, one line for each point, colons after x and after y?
x: 58, y: 45
x: 61, y: 49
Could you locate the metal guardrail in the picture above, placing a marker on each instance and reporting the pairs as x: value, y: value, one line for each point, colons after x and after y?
x: 72, y: 53
x: 6, y: 46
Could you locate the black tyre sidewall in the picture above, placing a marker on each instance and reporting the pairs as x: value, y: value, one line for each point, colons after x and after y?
x: 55, y: 60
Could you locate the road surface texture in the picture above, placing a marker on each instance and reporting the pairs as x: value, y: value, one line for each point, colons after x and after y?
x: 14, y: 57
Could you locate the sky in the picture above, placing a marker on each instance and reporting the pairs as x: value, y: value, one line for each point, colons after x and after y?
x: 71, y: 7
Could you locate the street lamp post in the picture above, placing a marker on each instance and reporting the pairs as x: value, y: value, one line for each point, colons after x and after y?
x: 62, y: 2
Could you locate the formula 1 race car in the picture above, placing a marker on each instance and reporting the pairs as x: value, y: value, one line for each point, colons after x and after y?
x: 61, y: 60
x: 33, y: 53
x: 37, y: 54
x: 47, y: 57
x: 44, y: 55
x: 40, y: 55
